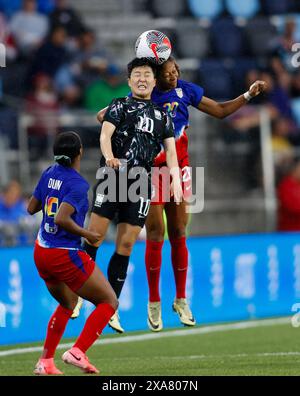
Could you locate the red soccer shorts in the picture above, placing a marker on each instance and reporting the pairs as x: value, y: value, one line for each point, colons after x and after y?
x: 161, y: 183
x: 73, y: 267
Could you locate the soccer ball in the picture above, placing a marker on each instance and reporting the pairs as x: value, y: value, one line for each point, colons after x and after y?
x: 153, y: 45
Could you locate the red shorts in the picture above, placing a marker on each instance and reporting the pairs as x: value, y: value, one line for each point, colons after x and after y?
x: 72, y: 267
x: 161, y: 183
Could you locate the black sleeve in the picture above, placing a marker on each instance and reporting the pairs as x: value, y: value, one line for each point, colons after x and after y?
x: 114, y: 112
x: 169, y: 127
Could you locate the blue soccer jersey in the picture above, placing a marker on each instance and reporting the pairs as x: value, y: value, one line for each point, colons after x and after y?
x: 61, y: 184
x: 176, y: 103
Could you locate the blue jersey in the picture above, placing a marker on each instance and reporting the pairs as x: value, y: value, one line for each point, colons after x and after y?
x: 176, y: 103
x: 61, y: 184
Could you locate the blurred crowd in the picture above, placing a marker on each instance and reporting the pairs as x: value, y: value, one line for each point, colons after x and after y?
x: 17, y: 227
x: 55, y: 62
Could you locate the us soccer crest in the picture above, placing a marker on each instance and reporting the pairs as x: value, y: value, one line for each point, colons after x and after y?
x: 179, y: 92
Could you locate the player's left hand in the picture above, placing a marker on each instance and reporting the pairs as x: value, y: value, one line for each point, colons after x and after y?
x: 257, y: 87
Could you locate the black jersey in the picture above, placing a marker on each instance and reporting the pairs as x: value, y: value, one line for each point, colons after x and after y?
x: 141, y: 127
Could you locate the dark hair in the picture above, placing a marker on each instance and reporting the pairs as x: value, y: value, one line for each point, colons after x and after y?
x: 137, y: 62
x: 66, y: 147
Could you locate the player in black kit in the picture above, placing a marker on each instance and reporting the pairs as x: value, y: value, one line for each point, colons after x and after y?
x: 131, y: 136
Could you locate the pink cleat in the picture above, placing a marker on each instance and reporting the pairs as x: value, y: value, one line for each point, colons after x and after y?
x: 77, y: 358
x: 46, y: 367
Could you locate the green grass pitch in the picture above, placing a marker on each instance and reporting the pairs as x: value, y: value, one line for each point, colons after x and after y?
x: 271, y: 348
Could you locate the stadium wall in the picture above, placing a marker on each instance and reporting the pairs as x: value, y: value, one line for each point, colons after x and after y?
x: 230, y: 278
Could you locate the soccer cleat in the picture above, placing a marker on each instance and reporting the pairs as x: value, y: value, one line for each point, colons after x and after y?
x: 77, y: 308
x: 46, y: 367
x: 115, y: 324
x: 181, y: 307
x: 78, y: 359
x: 154, y: 316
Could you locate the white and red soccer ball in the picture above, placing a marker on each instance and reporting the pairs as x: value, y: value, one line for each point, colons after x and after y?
x: 153, y: 45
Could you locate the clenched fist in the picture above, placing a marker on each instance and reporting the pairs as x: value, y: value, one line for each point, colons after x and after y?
x: 256, y: 88
x: 113, y: 163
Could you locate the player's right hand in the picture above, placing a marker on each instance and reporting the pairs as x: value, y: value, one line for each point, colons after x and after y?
x: 113, y: 163
x: 93, y: 237
x: 176, y: 191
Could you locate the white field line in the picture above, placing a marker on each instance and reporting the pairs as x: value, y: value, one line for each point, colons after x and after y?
x: 192, y: 357
x: 165, y: 334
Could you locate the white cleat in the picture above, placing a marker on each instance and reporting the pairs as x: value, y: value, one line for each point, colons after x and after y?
x: 115, y: 324
x: 154, y: 316
x: 77, y: 308
x: 181, y: 307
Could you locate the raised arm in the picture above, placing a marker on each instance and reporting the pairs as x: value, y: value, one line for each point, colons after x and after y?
x: 105, y: 144
x: 172, y: 162
x: 224, y: 109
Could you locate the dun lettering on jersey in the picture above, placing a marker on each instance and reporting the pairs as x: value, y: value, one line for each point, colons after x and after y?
x: 54, y: 184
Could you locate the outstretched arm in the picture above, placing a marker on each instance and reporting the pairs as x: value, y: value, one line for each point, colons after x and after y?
x: 224, y: 109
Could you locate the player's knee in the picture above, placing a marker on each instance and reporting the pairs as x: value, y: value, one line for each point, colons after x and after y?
x: 110, y: 299
x: 156, y: 232
x: 125, y: 247
x: 177, y: 232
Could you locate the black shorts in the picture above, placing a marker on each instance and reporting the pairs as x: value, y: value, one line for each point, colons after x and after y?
x: 126, y: 199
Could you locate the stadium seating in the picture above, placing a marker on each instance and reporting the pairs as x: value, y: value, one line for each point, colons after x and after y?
x: 227, y: 38
x: 205, y: 9
x: 274, y: 7
x: 11, y: 6
x: 241, y: 8
x: 260, y: 34
x: 169, y: 8
x: 192, y: 41
x: 238, y: 70
x: 281, y: 21
x: 215, y: 78
x: 295, y: 103
x: 296, y: 18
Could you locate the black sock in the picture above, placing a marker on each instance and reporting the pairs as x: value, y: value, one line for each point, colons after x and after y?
x: 117, y: 271
x: 91, y: 250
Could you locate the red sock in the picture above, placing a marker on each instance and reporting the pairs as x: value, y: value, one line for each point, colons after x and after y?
x: 153, y: 265
x: 179, y: 255
x: 55, y: 330
x: 94, y: 325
